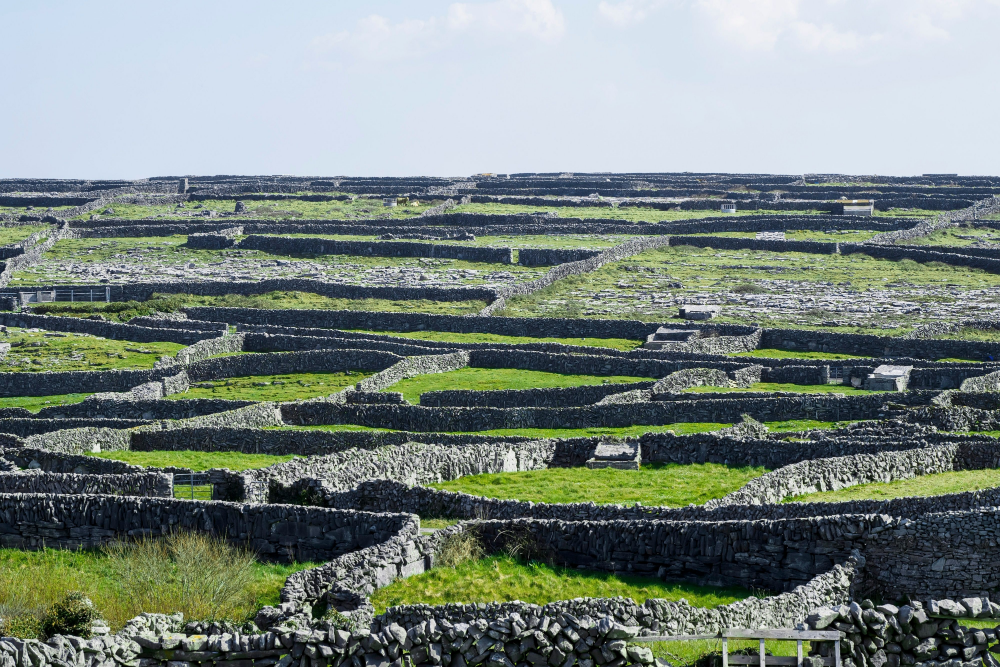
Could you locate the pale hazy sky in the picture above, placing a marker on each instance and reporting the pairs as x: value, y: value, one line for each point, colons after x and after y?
x: 132, y: 89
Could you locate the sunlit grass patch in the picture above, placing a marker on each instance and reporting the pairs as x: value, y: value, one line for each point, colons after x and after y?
x: 659, y: 484
x: 503, y: 579
x: 483, y: 379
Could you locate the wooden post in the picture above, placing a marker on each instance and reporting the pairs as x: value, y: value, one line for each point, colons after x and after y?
x: 798, y: 648
x: 762, y: 652
x: 836, y: 653
x: 725, y: 652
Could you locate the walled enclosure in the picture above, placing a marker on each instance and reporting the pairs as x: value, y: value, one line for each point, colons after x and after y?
x: 365, y: 487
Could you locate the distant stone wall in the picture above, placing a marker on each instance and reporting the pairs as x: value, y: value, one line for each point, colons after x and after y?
x: 515, y: 398
x: 726, y: 411
x: 553, y: 256
x: 275, y: 532
x: 289, y: 441
x: 317, y: 361
x: 145, y: 290
x: 286, y: 245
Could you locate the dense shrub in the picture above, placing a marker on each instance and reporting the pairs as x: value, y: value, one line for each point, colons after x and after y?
x: 73, y: 615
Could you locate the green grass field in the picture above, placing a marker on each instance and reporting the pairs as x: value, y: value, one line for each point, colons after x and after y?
x: 503, y: 579
x: 14, y: 233
x: 624, y: 344
x: 195, y: 460
x: 483, y: 379
x: 655, y: 484
x: 35, y: 351
x: 923, y: 485
x: 36, y: 403
x: 282, y: 387
x: 786, y: 386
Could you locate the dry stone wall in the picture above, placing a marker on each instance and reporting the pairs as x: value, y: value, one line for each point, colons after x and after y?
x: 151, y: 484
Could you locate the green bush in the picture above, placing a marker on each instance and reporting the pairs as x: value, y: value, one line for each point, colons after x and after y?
x: 73, y: 615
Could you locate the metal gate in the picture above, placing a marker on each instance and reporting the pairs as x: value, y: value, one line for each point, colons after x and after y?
x: 195, y: 482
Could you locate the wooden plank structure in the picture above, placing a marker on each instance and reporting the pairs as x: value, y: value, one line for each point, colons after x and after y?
x: 798, y: 636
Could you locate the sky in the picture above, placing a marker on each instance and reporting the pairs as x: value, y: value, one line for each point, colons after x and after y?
x: 420, y: 87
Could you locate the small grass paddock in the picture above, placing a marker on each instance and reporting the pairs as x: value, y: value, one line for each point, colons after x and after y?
x: 281, y: 387
x: 33, y: 350
x: 195, y: 460
x: 484, y: 379
x: 660, y: 484
x: 504, y: 579
x: 922, y: 485
x: 36, y: 403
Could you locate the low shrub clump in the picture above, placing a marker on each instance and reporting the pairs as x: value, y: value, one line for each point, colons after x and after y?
x: 73, y: 615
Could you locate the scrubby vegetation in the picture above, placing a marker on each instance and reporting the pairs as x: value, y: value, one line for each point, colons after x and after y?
x: 201, y: 576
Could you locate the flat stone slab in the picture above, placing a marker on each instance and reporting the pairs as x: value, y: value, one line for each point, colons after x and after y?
x: 621, y: 451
